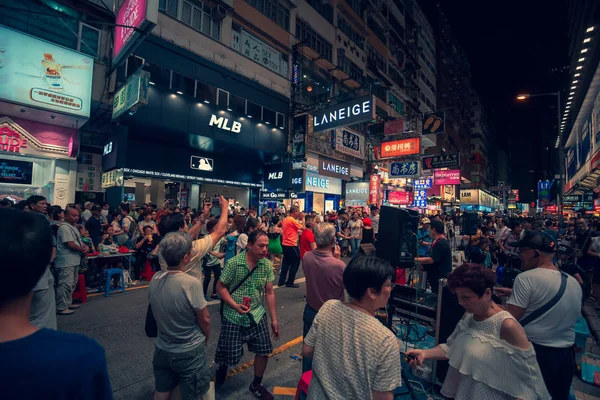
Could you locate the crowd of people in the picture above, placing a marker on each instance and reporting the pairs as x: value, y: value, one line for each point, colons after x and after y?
x: 523, y: 349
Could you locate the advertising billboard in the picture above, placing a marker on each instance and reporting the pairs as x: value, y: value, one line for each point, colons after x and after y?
x: 133, y: 18
x: 16, y: 172
x: 434, y: 123
x: 469, y: 196
x: 399, y: 148
x: 399, y: 197
x: 134, y: 92
x: 446, y: 177
x: 43, y: 75
x: 424, y: 183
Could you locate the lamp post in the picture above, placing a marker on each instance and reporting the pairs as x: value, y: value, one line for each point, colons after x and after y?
x: 561, y: 150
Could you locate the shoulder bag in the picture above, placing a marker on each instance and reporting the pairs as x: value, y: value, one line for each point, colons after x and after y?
x: 546, y: 307
x: 236, y: 287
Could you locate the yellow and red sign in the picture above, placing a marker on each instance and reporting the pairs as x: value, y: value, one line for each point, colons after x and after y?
x: 399, y: 148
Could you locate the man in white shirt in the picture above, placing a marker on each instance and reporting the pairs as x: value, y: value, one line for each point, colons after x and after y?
x: 547, y: 304
x: 87, y: 212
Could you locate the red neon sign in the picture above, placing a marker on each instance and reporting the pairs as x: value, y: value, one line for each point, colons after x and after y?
x: 10, y: 140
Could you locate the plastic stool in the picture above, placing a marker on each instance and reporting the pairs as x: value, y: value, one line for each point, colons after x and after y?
x: 303, y: 384
x: 109, y: 274
x: 80, y: 290
x: 147, y: 272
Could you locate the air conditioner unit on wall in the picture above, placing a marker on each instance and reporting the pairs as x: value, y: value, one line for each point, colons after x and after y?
x: 219, y: 13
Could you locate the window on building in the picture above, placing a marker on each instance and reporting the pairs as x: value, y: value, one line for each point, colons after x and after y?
x: 89, y: 42
x: 396, y: 76
x: 237, y: 104
x: 269, y: 117
x: 376, y: 58
x: 280, y: 121
x: 195, y: 14
x: 377, y: 30
x: 160, y: 76
x: 223, y: 99
x: 323, y: 8
x: 253, y: 110
x: 395, y: 103
x: 353, y: 70
x: 171, y: 7
x: 312, y: 39
x: 349, y: 31
x: 206, y: 93
x: 183, y: 84
x: 356, y: 6
x: 274, y: 10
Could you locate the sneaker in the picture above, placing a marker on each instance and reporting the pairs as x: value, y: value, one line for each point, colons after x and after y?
x: 214, y: 296
x: 221, y: 374
x: 261, y: 392
x: 65, y: 312
x: 292, y: 285
x: 74, y: 306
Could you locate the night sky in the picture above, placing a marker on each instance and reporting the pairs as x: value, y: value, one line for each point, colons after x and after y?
x: 517, y: 47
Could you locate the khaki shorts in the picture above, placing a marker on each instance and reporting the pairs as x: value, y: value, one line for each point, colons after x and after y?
x: 189, y: 370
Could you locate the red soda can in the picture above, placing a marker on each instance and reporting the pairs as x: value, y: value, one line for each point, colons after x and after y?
x: 246, y: 301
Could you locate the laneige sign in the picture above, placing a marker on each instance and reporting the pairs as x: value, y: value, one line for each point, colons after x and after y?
x: 350, y: 112
x: 334, y: 168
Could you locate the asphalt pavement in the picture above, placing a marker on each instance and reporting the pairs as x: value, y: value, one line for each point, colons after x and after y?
x: 117, y: 323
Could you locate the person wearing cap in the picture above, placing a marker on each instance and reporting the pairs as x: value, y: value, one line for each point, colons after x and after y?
x: 423, y: 238
x: 368, y: 233
x: 439, y: 262
x: 87, y: 213
x: 547, y: 303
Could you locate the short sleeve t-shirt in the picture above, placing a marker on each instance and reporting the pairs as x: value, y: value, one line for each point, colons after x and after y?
x: 354, y: 354
x: 324, y: 278
x: 235, y: 270
x: 65, y: 257
x: 534, y: 288
x: 355, y: 228
x: 175, y: 298
x: 199, y: 249
x: 290, y: 227
x: 34, y: 367
x: 442, y: 259
x: 306, y: 239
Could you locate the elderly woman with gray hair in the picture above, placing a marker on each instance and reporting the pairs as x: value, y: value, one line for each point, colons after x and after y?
x: 179, y: 307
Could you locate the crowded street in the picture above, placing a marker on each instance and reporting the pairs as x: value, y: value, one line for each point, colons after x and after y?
x: 299, y: 199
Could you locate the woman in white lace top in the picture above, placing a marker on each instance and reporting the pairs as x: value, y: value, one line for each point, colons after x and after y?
x: 489, y: 354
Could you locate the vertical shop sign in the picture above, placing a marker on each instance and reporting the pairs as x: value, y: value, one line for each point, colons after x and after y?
x: 299, y: 138
x: 135, y: 18
x: 374, y: 189
x: 183, y: 197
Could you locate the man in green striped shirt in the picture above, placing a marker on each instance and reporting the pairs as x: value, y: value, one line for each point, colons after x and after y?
x: 242, y: 324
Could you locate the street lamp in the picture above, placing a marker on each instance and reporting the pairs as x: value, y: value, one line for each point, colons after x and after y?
x: 561, y: 150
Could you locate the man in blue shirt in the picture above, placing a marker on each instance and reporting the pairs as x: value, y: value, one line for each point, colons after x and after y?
x: 423, y: 238
x: 39, y: 363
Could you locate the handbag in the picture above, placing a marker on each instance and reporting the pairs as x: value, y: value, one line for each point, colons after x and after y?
x: 236, y: 287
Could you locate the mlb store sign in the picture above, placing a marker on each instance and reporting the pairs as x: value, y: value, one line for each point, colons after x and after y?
x: 277, y: 176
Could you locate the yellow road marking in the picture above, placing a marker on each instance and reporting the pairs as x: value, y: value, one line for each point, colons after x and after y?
x: 281, y: 391
x: 243, y: 367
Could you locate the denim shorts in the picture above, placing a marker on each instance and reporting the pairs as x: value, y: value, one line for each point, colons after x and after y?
x: 189, y: 370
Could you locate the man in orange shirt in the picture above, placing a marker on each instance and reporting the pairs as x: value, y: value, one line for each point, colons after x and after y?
x: 291, y: 253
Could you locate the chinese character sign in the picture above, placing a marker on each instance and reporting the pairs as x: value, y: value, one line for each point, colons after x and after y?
x: 259, y: 51
x: 423, y: 183
x: 420, y: 198
x: 399, y: 148
x: 441, y: 161
x: 404, y: 168
x: 374, y: 189
x: 348, y: 142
